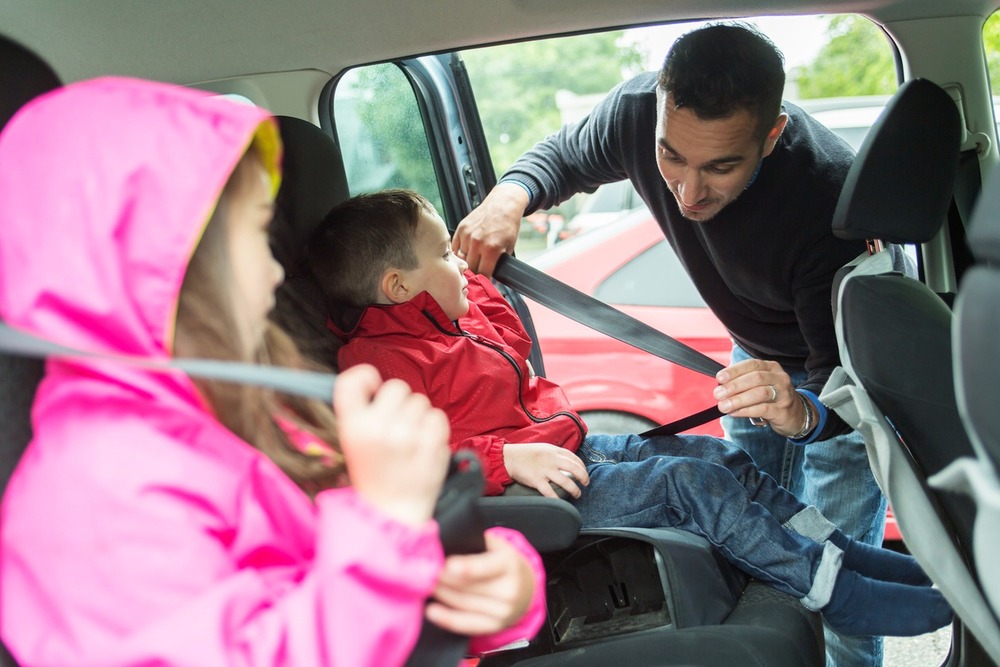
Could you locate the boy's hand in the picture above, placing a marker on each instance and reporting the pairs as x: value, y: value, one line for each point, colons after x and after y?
x: 395, y: 444
x: 539, y: 464
x: 483, y: 593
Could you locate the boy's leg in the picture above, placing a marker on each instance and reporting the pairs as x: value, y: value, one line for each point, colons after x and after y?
x: 760, y: 486
x: 704, y: 499
x: 707, y: 500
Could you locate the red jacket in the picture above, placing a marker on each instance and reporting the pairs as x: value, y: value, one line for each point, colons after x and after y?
x: 476, y: 372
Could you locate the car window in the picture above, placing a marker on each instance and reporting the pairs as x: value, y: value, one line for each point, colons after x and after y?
x: 991, y: 46
x: 653, y: 278
x: 842, y: 66
x: 381, y: 135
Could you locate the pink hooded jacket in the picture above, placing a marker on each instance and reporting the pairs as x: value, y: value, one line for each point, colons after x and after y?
x: 137, y: 529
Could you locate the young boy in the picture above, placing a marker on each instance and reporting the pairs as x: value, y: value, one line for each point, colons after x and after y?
x: 400, y: 300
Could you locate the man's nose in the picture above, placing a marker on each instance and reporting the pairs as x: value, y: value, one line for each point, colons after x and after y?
x: 691, y: 187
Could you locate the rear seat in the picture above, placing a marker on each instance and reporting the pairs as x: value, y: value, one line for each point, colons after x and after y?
x: 645, y: 597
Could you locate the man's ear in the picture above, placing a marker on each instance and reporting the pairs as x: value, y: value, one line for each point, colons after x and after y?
x: 774, y: 134
x: 393, y: 287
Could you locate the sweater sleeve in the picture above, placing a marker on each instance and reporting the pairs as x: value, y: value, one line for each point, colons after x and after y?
x: 580, y: 157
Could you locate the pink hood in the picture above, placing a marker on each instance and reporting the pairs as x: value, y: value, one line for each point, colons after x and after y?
x: 136, y: 529
x: 101, y: 211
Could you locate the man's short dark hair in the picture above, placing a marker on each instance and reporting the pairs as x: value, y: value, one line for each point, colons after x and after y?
x: 361, y: 239
x: 723, y: 68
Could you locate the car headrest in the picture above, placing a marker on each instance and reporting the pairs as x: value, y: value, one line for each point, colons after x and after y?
x: 23, y: 76
x: 313, y: 182
x: 900, y: 185
x: 984, y: 227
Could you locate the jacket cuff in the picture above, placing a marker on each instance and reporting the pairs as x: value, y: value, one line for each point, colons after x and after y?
x: 822, y: 415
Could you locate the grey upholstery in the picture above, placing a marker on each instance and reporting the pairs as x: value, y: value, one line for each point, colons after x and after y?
x: 895, y: 385
x: 976, y: 364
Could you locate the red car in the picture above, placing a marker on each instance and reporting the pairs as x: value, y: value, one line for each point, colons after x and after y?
x: 616, y: 387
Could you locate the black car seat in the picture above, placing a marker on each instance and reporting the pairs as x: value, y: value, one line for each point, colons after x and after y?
x: 23, y: 76
x: 895, y: 384
x: 976, y: 367
x: 645, y: 597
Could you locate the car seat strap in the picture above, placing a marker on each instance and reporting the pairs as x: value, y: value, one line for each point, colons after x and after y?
x: 308, y: 384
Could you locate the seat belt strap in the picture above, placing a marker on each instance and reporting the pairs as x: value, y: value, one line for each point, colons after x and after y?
x: 308, y: 384
x: 591, y: 312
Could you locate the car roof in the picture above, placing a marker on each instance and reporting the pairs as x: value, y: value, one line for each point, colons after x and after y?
x: 191, y: 41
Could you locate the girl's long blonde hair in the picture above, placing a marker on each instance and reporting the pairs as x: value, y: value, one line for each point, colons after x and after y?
x: 207, y: 327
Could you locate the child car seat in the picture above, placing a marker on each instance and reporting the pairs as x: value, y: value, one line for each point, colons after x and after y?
x: 976, y: 364
x: 894, y: 333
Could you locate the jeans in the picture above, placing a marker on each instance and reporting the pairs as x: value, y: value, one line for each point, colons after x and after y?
x: 834, y: 476
x: 711, y: 488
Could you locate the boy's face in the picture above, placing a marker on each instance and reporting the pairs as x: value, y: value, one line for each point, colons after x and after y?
x: 439, y: 271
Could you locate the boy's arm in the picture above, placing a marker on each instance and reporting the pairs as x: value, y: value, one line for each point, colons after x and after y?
x: 489, y: 449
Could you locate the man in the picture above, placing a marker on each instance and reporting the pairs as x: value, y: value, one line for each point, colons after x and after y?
x: 744, y: 189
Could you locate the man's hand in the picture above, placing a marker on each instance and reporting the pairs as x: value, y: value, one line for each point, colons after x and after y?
x: 762, y: 390
x: 491, y: 229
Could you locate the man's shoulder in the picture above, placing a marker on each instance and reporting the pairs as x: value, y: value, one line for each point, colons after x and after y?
x: 808, y: 134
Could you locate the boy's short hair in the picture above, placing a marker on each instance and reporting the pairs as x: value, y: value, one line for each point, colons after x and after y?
x: 361, y: 239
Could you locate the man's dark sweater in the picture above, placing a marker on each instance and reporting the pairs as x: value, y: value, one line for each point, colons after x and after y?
x: 765, y: 263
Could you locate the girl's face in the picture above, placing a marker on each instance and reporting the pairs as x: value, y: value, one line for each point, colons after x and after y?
x: 256, y: 274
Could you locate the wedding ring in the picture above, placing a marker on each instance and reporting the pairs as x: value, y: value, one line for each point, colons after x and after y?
x: 774, y: 393
x: 758, y: 421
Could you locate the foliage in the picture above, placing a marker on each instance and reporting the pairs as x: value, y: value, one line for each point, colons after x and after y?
x: 856, y: 61
x: 392, y: 151
x: 991, y: 43
x: 516, y: 84
x: 383, y: 138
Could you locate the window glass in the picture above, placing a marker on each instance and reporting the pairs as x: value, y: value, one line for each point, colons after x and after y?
x: 654, y: 278
x: 841, y: 68
x: 991, y: 46
x: 381, y: 134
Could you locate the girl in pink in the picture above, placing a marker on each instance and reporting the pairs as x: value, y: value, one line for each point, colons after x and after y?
x: 156, y: 519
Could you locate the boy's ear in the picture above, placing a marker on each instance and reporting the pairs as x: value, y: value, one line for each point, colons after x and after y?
x: 393, y: 287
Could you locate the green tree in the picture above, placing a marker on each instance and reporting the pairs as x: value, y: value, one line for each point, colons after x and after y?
x: 856, y: 61
x: 991, y: 43
x: 515, y: 85
x: 379, y: 124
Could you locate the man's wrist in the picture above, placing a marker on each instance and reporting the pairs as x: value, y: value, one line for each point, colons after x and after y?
x: 512, y: 180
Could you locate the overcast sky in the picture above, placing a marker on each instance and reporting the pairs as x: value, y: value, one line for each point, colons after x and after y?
x: 798, y: 37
